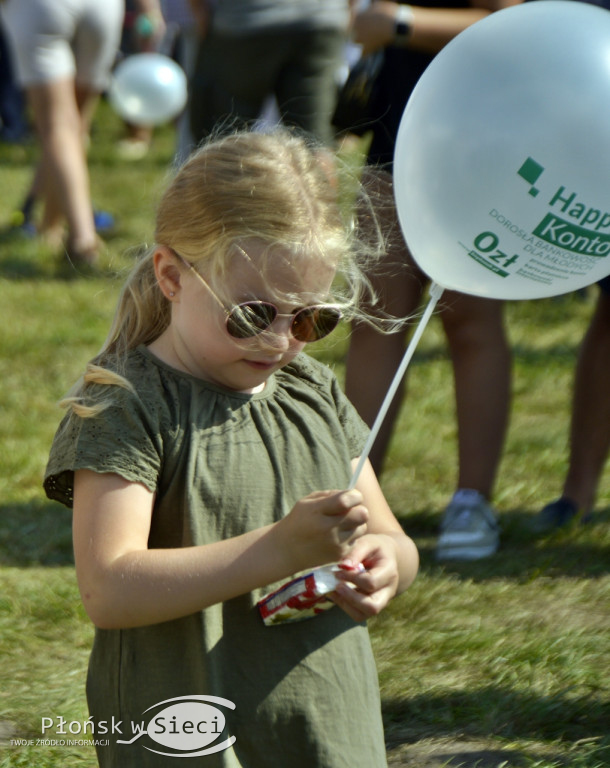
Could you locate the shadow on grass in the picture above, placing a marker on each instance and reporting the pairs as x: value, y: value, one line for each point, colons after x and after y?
x: 333, y: 355
x: 524, y: 354
x: 39, y: 532
x: 493, y: 713
x: 19, y: 260
x: 576, y: 551
x: 27, y: 259
x: 35, y: 533
x: 454, y: 754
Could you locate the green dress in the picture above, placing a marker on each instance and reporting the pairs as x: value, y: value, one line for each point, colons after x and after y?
x: 222, y: 463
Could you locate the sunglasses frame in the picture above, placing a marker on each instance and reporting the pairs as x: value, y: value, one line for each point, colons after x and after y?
x: 256, y: 330
x: 258, y: 302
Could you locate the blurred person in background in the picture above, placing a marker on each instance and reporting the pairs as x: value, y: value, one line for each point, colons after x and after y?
x: 251, y: 50
x: 63, y: 53
x: 410, y: 37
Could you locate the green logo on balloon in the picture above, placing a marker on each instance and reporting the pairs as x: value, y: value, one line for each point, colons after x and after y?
x: 530, y: 171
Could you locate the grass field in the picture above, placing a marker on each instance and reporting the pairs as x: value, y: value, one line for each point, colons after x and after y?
x: 504, y: 662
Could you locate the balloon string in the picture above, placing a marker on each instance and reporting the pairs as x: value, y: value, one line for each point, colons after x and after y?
x: 435, y: 293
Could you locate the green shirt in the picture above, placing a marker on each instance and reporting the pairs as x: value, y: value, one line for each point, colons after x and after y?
x: 223, y: 463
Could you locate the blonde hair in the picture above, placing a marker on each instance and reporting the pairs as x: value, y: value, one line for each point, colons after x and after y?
x: 276, y: 188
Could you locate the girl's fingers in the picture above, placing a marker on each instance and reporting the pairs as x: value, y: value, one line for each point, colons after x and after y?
x: 359, y: 606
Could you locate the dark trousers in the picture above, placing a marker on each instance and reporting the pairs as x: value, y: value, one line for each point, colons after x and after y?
x: 234, y: 75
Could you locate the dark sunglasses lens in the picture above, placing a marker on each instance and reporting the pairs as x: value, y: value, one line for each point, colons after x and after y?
x: 250, y: 319
x: 314, y: 323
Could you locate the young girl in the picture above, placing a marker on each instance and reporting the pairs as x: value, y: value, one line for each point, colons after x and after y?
x: 204, y: 455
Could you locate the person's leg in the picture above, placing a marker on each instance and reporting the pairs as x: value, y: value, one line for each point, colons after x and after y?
x: 53, y: 216
x: 65, y: 177
x: 481, y: 361
x: 52, y: 224
x: 589, y: 423
x: 373, y: 357
x: 482, y: 370
x: 231, y: 78
x: 306, y: 87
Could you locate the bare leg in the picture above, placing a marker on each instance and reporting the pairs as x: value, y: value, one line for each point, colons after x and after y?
x: 482, y: 372
x: 481, y: 363
x: 590, y: 424
x: 64, y: 173
x: 373, y: 357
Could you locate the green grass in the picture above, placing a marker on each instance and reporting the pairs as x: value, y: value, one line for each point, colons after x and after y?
x: 504, y: 662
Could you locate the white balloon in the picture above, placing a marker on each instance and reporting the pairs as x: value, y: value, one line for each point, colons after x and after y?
x: 502, y: 159
x: 148, y: 89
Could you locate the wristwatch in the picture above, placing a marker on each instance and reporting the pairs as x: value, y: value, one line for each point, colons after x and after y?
x: 403, y: 22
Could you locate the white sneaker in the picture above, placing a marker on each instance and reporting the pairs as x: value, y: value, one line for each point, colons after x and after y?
x: 469, y: 530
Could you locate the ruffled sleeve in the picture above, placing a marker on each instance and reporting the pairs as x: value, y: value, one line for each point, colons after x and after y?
x: 124, y: 439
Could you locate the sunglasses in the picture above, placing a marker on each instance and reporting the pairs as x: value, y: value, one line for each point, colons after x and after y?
x: 307, y: 324
x: 251, y: 318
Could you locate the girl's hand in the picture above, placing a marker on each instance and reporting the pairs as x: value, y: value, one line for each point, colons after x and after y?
x: 322, y: 528
x: 373, y: 588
